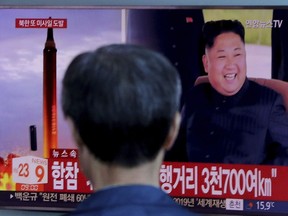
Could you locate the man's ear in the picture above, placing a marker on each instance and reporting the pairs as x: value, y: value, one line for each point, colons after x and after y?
x: 205, y: 62
x: 173, y: 132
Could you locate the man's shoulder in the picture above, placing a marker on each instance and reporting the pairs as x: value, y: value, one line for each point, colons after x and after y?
x: 131, y: 200
x: 204, y: 85
x: 263, y: 91
x: 135, y: 209
x: 255, y: 85
x: 131, y: 212
x: 200, y: 89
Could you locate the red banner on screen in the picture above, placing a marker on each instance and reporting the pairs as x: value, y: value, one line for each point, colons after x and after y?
x: 40, y: 23
x: 64, y: 175
x: 224, y: 180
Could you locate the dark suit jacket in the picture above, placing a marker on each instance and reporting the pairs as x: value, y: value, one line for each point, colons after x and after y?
x: 250, y: 127
x: 132, y: 200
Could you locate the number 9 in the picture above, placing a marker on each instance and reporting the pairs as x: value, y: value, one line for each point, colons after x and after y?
x: 39, y: 171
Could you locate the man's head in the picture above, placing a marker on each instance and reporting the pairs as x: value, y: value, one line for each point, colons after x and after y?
x: 122, y: 101
x: 225, y: 55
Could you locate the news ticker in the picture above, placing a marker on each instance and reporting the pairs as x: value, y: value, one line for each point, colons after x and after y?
x: 232, y: 187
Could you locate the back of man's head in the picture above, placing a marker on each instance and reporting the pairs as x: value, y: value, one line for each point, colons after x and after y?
x: 122, y: 100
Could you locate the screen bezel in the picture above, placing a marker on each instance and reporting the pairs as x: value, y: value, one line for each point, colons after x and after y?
x: 128, y: 4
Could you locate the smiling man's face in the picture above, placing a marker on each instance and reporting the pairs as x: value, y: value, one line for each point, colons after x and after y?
x: 225, y: 63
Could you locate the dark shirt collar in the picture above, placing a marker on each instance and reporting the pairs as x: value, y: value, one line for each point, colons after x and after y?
x: 217, y: 97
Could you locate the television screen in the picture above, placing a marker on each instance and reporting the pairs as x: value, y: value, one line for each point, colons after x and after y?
x: 38, y: 159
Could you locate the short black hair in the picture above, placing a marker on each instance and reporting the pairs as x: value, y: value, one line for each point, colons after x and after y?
x: 212, y: 29
x: 122, y: 100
